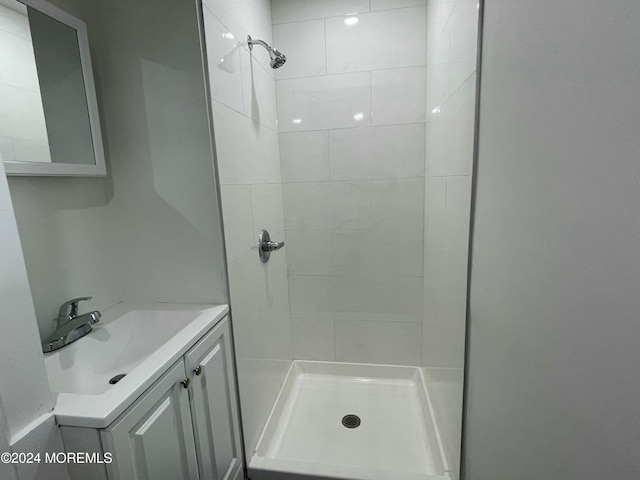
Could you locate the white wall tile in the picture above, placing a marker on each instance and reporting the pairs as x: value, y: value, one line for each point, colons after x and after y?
x: 245, y: 152
x: 398, y: 299
x: 245, y: 17
x: 246, y: 286
x: 309, y: 252
x: 306, y: 205
x: 445, y: 283
x: 434, y: 213
x: 248, y: 156
x: 439, y: 48
x: 438, y: 84
x: 313, y: 339
x: 450, y: 143
x: 398, y: 95
x: 275, y: 321
x: 459, y: 72
x: 351, y: 204
x: 327, y: 205
x: 223, y: 56
x: 352, y: 296
x: 376, y: 252
x: 237, y: 217
x: 374, y: 41
x: 464, y: 31
x: 397, y: 203
x: 295, y: 10
x: 438, y: 14
x: 258, y: 88
x: 316, y: 103
x: 266, y: 201
x: 377, y: 152
x: 248, y: 344
x: 378, y: 342
x: 304, y: 46
x: 304, y: 156
x: 311, y: 297
x: 347, y: 296
x: 390, y: 4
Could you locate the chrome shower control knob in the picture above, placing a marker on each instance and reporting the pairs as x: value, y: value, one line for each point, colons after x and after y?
x: 266, y: 246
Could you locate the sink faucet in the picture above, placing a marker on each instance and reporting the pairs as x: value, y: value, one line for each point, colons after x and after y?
x: 70, y: 325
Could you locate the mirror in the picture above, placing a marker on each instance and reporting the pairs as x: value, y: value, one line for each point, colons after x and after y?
x: 49, y: 121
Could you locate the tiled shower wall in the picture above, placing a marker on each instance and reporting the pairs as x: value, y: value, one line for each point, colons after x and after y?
x: 452, y: 29
x: 352, y: 112
x: 451, y: 93
x: 242, y: 86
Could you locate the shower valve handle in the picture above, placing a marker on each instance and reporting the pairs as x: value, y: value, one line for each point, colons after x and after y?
x: 273, y: 246
x: 266, y: 246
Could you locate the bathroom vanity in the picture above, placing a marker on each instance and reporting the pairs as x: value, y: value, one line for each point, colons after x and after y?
x: 173, y: 415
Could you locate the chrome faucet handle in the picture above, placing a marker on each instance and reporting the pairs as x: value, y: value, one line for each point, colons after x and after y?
x: 69, y: 309
x: 266, y: 246
x: 273, y: 246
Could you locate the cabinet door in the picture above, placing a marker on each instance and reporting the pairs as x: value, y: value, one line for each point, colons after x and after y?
x: 153, y: 439
x: 213, y: 405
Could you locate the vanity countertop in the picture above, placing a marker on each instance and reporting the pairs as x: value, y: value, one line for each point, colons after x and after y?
x: 141, y: 341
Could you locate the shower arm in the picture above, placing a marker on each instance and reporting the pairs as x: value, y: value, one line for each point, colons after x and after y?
x: 252, y: 42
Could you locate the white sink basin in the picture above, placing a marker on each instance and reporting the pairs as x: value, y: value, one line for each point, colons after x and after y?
x: 139, y: 341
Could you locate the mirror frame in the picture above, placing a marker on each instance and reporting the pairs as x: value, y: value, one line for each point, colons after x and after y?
x: 69, y: 169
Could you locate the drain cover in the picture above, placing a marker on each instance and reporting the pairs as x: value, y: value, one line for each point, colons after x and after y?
x: 351, y: 421
x: 117, y: 378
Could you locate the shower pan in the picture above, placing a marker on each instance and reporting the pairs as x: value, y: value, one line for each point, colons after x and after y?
x: 351, y: 421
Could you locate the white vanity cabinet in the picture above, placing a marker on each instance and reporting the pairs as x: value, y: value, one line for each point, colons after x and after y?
x: 154, y: 438
x: 214, y: 408
x: 184, y: 427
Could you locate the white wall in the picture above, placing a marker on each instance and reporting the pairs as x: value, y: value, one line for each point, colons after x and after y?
x: 245, y: 123
x: 25, y: 398
x: 351, y: 111
x: 553, y: 378
x: 162, y: 203
x: 67, y: 240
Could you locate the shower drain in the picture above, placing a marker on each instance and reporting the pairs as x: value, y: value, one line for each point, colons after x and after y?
x: 351, y: 421
x: 117, y: 378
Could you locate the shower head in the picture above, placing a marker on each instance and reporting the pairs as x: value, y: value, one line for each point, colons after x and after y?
x: 277, y: 58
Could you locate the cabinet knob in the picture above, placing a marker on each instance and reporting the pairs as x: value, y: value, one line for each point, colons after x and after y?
x: 185, y: 383
x: 198, y: 370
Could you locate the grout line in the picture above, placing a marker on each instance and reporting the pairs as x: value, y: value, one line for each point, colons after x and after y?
x: 335, y: 354
x: 248, y: 117
x: 328, y: 17
x: 326, y: 54
x: 350, y: 128
x: 306, y: 77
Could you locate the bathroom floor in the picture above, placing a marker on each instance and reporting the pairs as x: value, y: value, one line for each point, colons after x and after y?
x: 396, y: 437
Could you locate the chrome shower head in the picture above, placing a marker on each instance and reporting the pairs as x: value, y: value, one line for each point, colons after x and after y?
x: 277, y: 58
